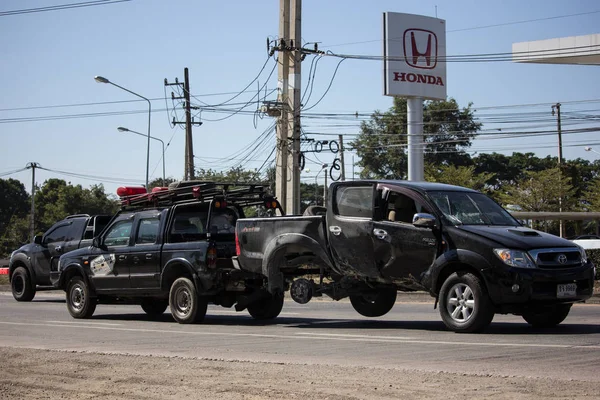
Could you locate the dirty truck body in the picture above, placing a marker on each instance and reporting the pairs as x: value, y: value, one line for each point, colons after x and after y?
x: 378, y: 237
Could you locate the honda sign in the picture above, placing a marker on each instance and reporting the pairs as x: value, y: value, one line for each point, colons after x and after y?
x: 414, y: 56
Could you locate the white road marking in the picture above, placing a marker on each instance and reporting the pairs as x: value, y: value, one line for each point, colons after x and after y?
x: 309, y: 336
x: 238, y: 312
x: 345, y: 335
x: 83, y: 323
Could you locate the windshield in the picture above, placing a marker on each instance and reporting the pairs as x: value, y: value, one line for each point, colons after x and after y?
x: 468, y: 208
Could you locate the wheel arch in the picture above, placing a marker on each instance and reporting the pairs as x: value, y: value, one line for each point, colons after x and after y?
x: 460, y: 260
x: 21, y: 260
x: 71, y: 271
x: 177, y: 268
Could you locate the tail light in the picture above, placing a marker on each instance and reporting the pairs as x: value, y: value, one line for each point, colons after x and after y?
x: 211, y: 256
x: 238, y: 251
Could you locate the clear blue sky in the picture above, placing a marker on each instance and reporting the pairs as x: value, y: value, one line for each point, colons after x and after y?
x: 51, y: 58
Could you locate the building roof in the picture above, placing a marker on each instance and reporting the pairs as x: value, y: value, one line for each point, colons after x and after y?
x: 582, y: 50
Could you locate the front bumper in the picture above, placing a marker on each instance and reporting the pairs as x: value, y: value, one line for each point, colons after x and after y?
x: 540, y: 285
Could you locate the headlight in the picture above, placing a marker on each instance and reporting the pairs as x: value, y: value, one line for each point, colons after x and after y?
x: 515, y: 258
x: 582, y: 254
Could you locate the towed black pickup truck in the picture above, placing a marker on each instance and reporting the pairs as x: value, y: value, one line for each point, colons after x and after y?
x: 378, y: 237
x: 31, y: 264
x: 171, y: 247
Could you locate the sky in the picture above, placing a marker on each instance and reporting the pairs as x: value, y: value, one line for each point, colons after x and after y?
x: 53, y: 112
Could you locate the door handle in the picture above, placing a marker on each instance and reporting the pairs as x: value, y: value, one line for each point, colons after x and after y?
x: 336, y: 230
x: 58, y: 249
x: 148, y: 256
x: 136, y: 259
x: 380, y: 234
x: 122, y: 257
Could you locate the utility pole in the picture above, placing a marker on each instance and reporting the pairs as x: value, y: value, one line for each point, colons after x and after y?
x: 341, y: 139
x: 294, y: 81
x: 560, y: 156
x: 33, y: 166
x: 281, y: 180
x: 188, y: 173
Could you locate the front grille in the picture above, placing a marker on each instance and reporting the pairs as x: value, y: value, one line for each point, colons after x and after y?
x: 556, y: 258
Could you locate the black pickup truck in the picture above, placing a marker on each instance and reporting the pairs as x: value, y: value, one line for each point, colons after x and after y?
x: 171, y: 247
x: 31, y: 264
x: 378, y: 237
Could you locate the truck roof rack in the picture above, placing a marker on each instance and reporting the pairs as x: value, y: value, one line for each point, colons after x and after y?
x: 242, y: 194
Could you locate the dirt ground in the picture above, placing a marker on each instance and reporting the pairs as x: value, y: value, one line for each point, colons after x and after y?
x: 41, y: 374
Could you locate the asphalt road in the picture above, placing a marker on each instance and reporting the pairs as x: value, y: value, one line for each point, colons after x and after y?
x: 411, y: 336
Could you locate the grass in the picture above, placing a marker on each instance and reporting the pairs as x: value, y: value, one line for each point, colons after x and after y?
x: 3, y: 279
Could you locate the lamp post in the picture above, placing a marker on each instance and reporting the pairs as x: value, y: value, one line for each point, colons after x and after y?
x: 122, y: 129
x: 324, y: 166
x: 588, y: 148
x: 101, y: 79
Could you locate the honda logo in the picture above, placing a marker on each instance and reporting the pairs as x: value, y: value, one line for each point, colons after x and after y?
x: 420, y: 48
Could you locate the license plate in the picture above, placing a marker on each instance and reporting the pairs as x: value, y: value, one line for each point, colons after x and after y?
x: 566, y: 290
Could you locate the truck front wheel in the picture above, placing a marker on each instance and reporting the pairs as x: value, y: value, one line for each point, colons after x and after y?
x: 79, y: 301
x: 548, y: 316
x: 374, y: 304
x: 186, y: 306
x: 268, y: 307
x: 464, y: 304
x: 23, y: 289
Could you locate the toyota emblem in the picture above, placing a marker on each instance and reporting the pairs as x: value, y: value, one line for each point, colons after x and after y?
x: 562, y: 259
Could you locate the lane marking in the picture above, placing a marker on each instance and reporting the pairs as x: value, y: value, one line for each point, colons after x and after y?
x: 347, y: 335
x: 313, y: 336
x: 233, y: 312
x: 83, y: 323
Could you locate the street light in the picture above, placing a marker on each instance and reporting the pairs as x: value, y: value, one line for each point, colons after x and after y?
x: 588, y: 148
x: 122, y: 129
x: 101, y: 79
x: 323, y: 167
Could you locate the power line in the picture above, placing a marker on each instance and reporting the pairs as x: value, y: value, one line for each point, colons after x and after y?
x: 61, y: 7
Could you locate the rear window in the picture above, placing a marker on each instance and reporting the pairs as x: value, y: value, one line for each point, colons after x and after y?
x: 191, y: 224
x: 354, y: 201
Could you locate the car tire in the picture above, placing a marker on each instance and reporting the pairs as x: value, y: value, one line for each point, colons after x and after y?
x: 154, y: 307
x: 464, y: 303
x: 268, y: 307
x: 23, y: 289
x: 186, y: 306
x: 80, y: 303
x: 547, y: 316
x: 374, y: 304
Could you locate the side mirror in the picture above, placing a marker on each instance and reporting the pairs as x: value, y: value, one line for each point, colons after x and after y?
x: 97, y: 242
x: 37, y: 239
x: 423, y: 220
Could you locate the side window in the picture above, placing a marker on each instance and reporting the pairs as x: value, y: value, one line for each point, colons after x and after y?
x: 188, y: 226
x: 118, y: 234
x: 60, y: 234
x: 401, y: 208
x: 354, y: 201
x: 147, y: 231
x: 223, y: 221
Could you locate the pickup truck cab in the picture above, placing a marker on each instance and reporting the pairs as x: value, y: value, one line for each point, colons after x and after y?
x: 378, y: 237
x: 171, y: 247
x: 31, y: 265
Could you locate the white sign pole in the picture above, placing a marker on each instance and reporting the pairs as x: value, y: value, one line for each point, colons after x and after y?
x: 416, y: 164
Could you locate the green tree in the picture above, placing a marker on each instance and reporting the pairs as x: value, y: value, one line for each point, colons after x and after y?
x: 460, y: 176
x: 158, y: 182
x: 14, y: 202
x: 448, y: 131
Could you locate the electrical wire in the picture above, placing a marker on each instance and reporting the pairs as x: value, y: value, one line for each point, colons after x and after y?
x: 61, y: 7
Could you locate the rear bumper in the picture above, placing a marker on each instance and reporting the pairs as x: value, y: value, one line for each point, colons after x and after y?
x: 521, y: 285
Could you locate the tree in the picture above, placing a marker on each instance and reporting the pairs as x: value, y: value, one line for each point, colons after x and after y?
x: 14, y: 201
x: 158, y: 182
x: 460, y: 176
x: 448, y: 131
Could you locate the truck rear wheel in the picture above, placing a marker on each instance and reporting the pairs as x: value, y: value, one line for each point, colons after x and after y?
x: 464, y: 303
x: 268, y: 307
x: 154, y: 307
x: 186, y: 306
x: 547, y: 316
x: 374, y: 304
x: 79, y: 301
x: 22, y: 287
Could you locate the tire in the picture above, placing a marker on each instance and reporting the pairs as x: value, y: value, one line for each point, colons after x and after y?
x: 464, y: 303
x: 374, y: 304
x: 268, y: 307
x: 154, y: 307
x: 186, y: 306
x: 548, y: 316
x: 80, y: 303
x: 23, y: 289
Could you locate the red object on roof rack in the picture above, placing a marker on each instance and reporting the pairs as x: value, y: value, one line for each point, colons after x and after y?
x: 159, y: 189
x: 130, y: 191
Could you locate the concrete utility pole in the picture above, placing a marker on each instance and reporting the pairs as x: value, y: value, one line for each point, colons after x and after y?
x: 560, y: 156
x: 33, y: 166
x: 341, y: 139
x: 281, y: 180
x: 294, y: 80
x: 414, y: 107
